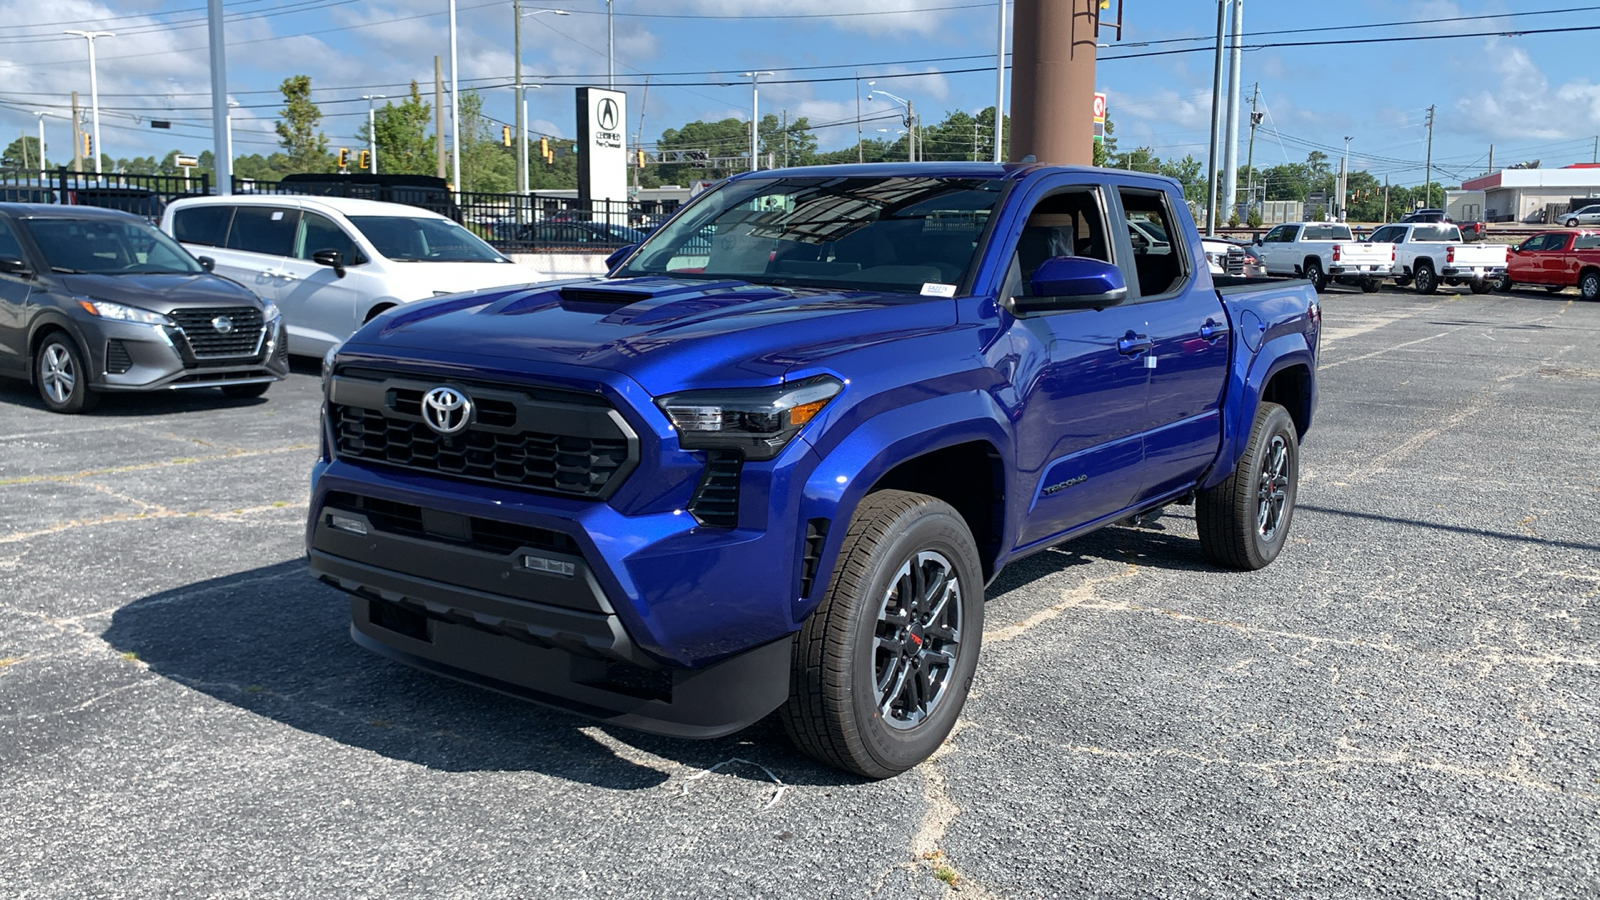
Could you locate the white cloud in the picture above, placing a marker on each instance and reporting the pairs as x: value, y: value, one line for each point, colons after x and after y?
x: 1524, y: 105
x: 903, y: 16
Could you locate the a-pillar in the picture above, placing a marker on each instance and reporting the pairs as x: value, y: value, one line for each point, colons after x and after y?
x: 1052, y: 87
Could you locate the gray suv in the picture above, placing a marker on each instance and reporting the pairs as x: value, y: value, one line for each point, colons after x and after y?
x: 95, y: 300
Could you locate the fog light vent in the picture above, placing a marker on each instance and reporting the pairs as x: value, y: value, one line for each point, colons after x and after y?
x: 549, y: 566
x: 117, y: 359
x: 346, y: 523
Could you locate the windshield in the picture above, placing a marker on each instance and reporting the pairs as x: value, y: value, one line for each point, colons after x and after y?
x: 417, y: 239
x: 911, y: 234
x: 109, y: 247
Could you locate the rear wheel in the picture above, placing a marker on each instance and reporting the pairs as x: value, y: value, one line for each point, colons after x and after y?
x: 1554, y: 288
x: 1503, y: 284
x: 1481, y: 287
x: 1244, y: 521
x: 1316, y: 276
x: 1589, y: 286
x: 882, y: 668
x: 1572, y: 223
x: 61, y: 376
x: 1369, y: 286
x: 1427, y: 282
x: 245, y: 391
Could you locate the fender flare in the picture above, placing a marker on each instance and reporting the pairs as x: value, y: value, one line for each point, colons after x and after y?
x: 55, y: 319
x: 842, y: 477
x: 1282, y: 352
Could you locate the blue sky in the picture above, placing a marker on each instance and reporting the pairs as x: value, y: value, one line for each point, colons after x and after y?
x: 1529, y: 95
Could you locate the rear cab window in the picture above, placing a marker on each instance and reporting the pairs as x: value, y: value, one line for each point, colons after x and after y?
x: 1327, y: 233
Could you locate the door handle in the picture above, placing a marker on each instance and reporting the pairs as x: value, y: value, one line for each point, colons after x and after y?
x: 1211, y: 331
x: 1133, y: 344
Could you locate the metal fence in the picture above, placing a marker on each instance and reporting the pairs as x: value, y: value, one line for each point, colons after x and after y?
x: 512, y: 223
x: 144, y: 195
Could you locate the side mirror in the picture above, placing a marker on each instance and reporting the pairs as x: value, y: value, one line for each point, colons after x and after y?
x: 11, y: 265
x: 615, y: 258
x: 1073, y: 282
x: 331, y: 258
x: 207, y: 263
x: 1256, y: 240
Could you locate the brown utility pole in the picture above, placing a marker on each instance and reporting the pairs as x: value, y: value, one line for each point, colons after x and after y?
x: 438, y: 113
x: 77, y: 139
x: 1053, y: 80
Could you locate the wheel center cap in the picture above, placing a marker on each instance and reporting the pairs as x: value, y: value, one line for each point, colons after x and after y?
x: 915, y: 639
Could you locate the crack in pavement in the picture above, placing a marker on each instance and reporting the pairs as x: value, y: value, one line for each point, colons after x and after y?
x: 159, y: 464
x: 151, y: 513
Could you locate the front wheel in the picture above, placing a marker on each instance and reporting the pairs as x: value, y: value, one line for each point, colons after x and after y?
x: 1427, y: 282
x: 1244, y: 520
x: 1503, y: 284
x: 1589, y: 286
x: 1572, y: 223
x: 61, y: 376
x: 1554, y: 288
x: 1317, y: 277
x: 882, y: 668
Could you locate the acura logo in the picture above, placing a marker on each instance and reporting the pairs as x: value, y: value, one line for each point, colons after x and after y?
x: 446, y: 410
x: 222, y: 324
x: 606, y: 114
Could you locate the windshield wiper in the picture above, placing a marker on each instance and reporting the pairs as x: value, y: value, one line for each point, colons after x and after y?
x: 65, y: 271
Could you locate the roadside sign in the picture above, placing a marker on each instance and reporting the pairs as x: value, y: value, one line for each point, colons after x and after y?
x: 1099, y: 116
x: 187, y: 162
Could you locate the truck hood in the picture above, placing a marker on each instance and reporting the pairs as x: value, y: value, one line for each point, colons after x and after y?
x: 160, y: 293
x: 423, y: 280
x: 666, y: 334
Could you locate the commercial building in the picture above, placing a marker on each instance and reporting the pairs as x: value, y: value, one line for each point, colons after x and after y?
x: 1535, y: 195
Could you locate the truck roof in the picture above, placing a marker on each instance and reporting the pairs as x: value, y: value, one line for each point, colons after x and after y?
x: 1009, y: 171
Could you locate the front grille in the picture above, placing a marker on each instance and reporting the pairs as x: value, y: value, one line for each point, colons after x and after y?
x: 117, y: 359
x: 716, y: 499
x: 1235, y: 261
x: 489, y: 535
x: 561, y: 442
x: 199, y: 326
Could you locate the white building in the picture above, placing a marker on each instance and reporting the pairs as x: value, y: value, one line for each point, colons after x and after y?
x: 1534, y: 195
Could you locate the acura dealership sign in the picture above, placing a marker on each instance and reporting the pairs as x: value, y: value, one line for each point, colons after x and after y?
x: 603, y: 145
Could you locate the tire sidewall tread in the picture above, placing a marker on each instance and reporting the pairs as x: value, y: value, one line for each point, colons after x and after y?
x: 1225, y: 516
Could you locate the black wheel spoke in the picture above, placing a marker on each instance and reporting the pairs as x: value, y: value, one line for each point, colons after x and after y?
x: 917, y: 639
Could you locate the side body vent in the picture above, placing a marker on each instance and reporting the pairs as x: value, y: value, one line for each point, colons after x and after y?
x: 716, y: 499
x: 816, y: 536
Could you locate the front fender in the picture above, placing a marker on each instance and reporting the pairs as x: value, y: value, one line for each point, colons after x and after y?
x: 1244, y: 397
x: 55, y: 318
x: 850, y: 469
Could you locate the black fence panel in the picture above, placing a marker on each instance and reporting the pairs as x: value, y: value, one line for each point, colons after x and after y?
x: 143, y: 195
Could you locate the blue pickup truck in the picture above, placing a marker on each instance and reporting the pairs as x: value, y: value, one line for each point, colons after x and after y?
x: 772, y: 459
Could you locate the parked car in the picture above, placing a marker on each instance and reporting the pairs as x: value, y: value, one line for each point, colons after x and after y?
x: 776, y: 468
x: 1424, y: 216
x: 1556, y: 260
x: 1232, y: 258
x: 142, y: 202
x: 1434, y: 254
x: 333, y: 263
x: 95, y: 301
x: 1588, y: 215
x: 1322, y: 252
x: 598, y: 234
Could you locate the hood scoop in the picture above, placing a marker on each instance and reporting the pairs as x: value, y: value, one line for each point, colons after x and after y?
x: 592, y: 295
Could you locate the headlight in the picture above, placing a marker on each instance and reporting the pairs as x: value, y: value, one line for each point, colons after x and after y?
x: 107, y: 310
x: 759, y: 421
x: 269, y: 311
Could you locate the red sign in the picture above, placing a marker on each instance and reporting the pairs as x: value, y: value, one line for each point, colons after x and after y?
x: 1099, y: 109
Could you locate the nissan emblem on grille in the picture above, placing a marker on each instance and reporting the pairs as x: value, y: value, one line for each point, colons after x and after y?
x: 222, y: 324
x: 446, y: 410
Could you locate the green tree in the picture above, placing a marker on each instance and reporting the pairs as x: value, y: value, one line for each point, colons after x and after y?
x: 486, y: 164
x: 1106, y: 147
x: 1188, y: 173
x: 794, y: 145
x: 23, y: 153
x: 404, y: 145
x: 305, y: 146
x: 725, y: 138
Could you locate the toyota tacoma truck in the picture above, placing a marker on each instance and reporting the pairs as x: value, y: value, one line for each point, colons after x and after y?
x: 772, y: 459
x: 1429, y: 255
x: 1323, y: 252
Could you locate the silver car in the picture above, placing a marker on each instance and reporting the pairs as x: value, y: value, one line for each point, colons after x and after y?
x: 1588, y: 215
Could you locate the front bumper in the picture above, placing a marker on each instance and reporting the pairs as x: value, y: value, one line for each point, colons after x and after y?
x: 128, y: 357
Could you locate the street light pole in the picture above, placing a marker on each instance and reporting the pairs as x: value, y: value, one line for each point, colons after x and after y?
x: 1000, y: 83
x: 1344, y: 179
x: 227, y: 151
x: 372, y: 132
x: 455, y: 108
x: 94, y: 90
x: 911, y: 134
x: 611, y: 50
x: 41, y: 116
x: 755, y: 115
x: 522, y: 97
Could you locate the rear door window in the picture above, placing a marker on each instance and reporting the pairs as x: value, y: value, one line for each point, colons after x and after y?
x: 1161, y: 267
x: 268, y: 230
x: 206, y: 225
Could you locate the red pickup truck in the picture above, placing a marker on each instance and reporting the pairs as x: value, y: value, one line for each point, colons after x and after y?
x: 1556, y: 260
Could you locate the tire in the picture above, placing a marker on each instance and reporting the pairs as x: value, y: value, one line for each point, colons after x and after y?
x: 1369, y: 286
x: 1402, y: 280
x: 1589, y: 286
x: 1427, y: 282
x: 1554, y: 288
x: 1315, y: 275
x: 245, y: 391
x: 1244, y: 521
x: 1572, y: 223
x: 61, y: 376
x: 1481, y: 287
x: 862, y: 642
x: 1503, y: 284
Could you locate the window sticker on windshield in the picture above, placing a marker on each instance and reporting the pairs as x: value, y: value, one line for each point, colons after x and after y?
x: 935, y: 289
x: 277, y: 214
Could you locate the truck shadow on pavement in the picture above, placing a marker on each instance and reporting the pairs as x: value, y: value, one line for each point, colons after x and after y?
x: 276, y: 643
x: 134, y: 405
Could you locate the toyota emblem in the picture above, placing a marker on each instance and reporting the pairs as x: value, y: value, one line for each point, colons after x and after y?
x: 446, y: 410
x: 606, y: 113
x: 222, y: 324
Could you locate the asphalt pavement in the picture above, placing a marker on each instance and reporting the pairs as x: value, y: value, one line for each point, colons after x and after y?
x: 1406, y: 703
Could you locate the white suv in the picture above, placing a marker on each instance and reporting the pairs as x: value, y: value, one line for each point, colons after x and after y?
x: 332, y: 263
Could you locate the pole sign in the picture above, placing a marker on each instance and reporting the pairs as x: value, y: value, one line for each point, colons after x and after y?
x: 602, y: 148
x: 1099, y: 117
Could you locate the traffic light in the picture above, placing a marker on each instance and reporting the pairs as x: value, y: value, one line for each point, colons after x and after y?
x: 544, y: 151
x: 505, y: 135
x: 641, y: 158
x: 344, y: 158
x: 88, y: 145
x: 366, y: 160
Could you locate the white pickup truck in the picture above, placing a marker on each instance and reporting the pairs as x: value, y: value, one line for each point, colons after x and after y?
x: 1430, y: 254
x: 1324, y: 251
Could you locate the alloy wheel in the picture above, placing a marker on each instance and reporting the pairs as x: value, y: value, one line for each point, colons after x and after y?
x: 918, y: 639
x: 57, y: 373
x: 1272, y: 491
